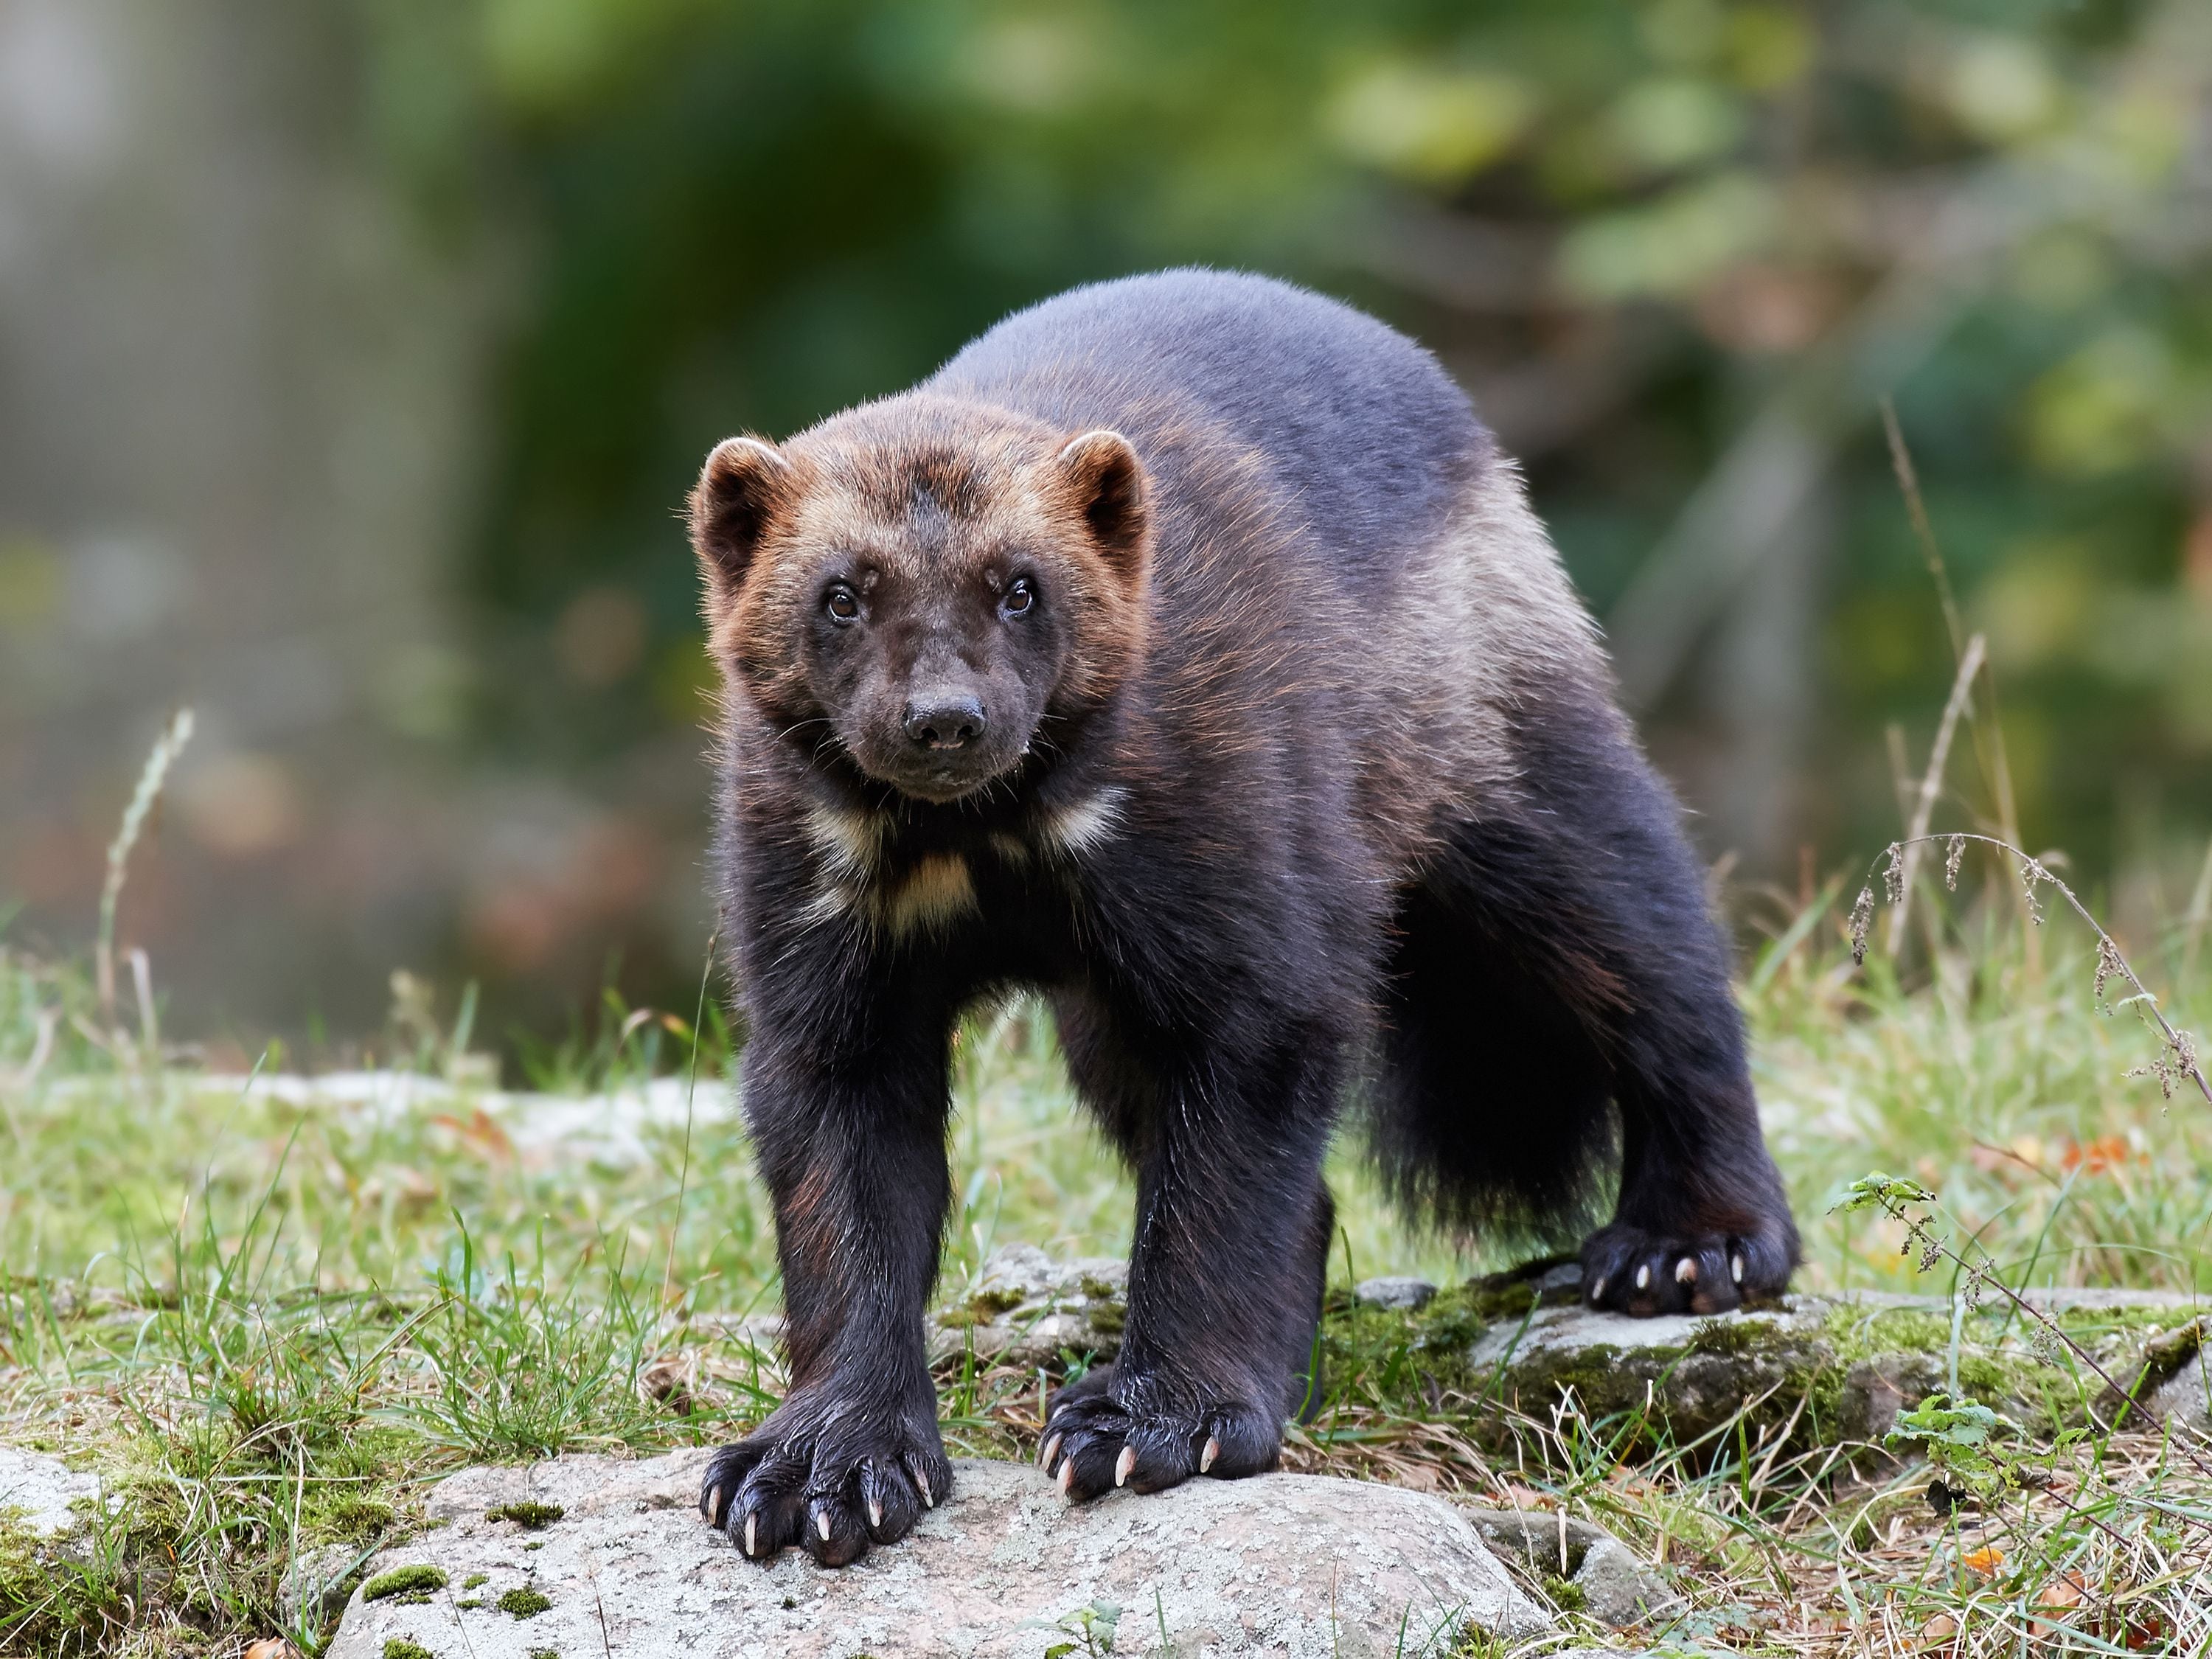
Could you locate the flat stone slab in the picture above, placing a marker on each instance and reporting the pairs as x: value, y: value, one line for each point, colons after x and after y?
x: 37, y: 1492
x: 1298, y: 1566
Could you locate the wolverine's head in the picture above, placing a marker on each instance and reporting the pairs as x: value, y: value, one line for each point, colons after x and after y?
x: 933, y: 581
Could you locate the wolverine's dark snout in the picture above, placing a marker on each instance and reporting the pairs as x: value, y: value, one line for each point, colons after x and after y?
x: 943, y: 720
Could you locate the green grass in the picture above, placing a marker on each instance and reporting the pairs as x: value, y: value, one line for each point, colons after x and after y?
x: 262, y: 1323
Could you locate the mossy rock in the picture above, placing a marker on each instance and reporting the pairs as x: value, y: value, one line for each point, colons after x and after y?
x: 1674, y: 1378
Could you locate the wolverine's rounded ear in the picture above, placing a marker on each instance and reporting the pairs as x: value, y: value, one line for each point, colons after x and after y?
x: 1108, y: 481
x: 740, y: 488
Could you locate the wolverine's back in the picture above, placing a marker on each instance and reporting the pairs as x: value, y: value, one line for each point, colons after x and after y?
x: 1353, y: 428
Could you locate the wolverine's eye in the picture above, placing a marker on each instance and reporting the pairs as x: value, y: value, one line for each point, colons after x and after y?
x: 842, y: 603
x: 1020, y: 598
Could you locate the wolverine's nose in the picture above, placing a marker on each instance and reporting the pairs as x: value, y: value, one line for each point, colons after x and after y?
x: 945, y: 722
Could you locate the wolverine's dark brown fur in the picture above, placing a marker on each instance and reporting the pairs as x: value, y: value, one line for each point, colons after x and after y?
x: 1185, y: 652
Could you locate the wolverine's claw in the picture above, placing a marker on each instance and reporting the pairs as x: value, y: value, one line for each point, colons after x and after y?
x: 1123, y: 1464
x: 1685, y: 1271
x: 1644, y: 1277
x: 1212, y: 1450
x: 1597, y: 1291
x: 822, y: 1524
x: 1067, y: 1475
x: 1051, y: 1451
x: 928, y: 1497
x: 752, y: 1526
x: 875, y: 1511
x: 1735, y: 1267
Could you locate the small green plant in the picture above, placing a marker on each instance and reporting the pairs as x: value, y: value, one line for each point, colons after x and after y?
x: 1912, y: 1204
x: 1093, y: 1626
x: 398, y: 1647
x: 524, y: 1602
x: 405, y: 1584
x: 1963, y: 1441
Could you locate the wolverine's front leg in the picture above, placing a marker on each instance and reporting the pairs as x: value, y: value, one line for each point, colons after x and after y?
x: 1232, y: 1241
x: 853, y: 1155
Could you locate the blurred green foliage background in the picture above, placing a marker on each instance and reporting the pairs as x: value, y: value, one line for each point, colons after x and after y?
x: 1679, y: 250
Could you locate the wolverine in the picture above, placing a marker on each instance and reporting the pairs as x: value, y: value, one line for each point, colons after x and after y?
x: 1185, y: 651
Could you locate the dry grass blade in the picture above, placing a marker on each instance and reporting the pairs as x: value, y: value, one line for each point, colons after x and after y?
x: 2179, y: 1060
x: 1931, y: 784
x: 170, y: 744
x: 1988, y: 729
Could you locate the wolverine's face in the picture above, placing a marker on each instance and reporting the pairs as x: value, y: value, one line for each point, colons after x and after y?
x: 915, y: 586
x: 933, y: 651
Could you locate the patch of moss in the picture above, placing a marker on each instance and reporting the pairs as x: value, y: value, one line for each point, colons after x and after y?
x: 529, y: 1515
x: 1396, y: 1356
x: 1490, y: 1300
x: 1858, y: 1335
x: 399, y: 1647
x: 991, y: 1303
x: 962, y: 1319
x: 469, y: 1603
x: 405, y: 1584
x: 1095, y: 1289
x: 474, y: 1579
x: 1107, y: 1317
x: 350, y: 1518
x: 1738, y: 1338
x: 524, y: 1602
x: 1565, y: 1594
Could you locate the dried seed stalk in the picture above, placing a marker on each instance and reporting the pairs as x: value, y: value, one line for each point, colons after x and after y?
x: 2177, y: 1061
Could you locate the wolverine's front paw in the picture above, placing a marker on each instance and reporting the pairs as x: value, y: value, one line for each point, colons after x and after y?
x: 1644, y: 1270
x: 829, y: 1471
x: 1105, y: 1432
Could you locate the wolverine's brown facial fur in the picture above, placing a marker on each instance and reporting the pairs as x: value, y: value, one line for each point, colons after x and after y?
x: 933, y: 581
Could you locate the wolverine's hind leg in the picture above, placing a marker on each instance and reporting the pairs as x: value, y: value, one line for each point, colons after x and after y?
x: 1568, y: 924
